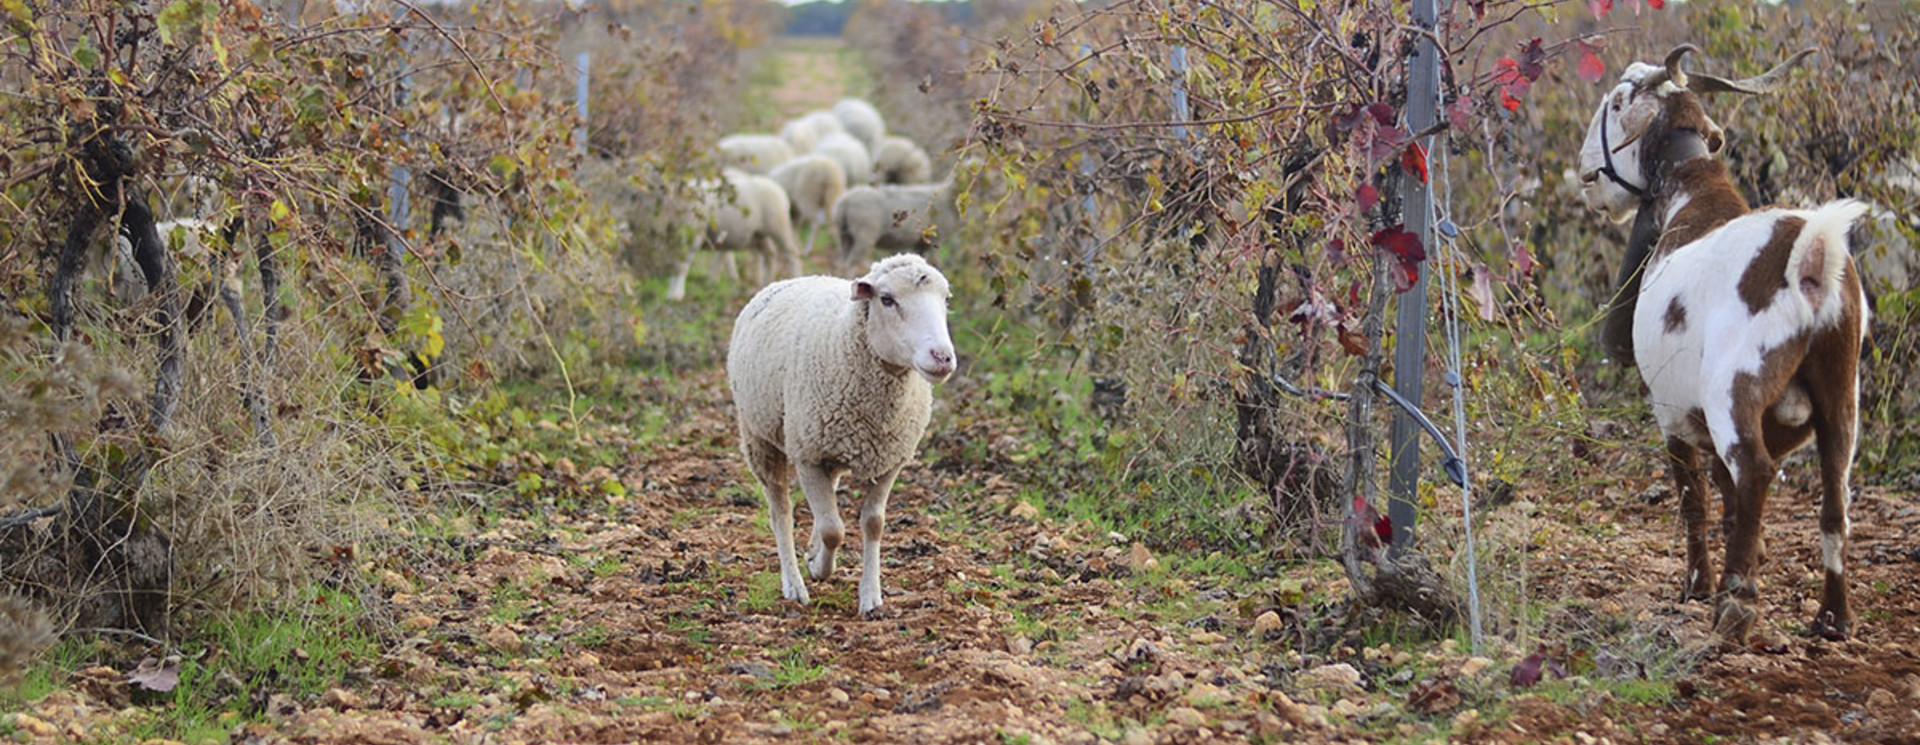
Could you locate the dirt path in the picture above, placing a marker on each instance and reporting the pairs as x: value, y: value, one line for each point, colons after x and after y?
x: 813, y: 75
x: 658, y: 618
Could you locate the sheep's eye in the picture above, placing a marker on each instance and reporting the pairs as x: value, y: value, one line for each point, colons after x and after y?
x: 886, y: 300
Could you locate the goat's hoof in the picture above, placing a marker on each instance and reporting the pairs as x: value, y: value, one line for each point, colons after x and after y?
x: 1698, y: 589
x: 1831, y: 627
x: 1733, y: 620
x: 878, y: 613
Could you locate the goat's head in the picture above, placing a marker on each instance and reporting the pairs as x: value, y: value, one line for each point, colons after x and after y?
x: 1632, y: 123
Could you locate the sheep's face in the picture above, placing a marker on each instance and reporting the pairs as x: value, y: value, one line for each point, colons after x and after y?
x: 907, y: 319
x: 1617, y: 125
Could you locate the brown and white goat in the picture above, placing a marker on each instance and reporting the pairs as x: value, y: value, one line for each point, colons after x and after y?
x: 1747, y: 328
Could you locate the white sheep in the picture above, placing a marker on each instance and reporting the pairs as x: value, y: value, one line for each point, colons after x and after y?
x: 912, y: 217
x: 805, y: 132
x: 813, y: 183
x: 833, y: 378
x: 1747, y: 328
x: 861, y: 120
x: 855, y: 160
x: 755, y: 154
x: 899, y: 161
x: 754, y: 217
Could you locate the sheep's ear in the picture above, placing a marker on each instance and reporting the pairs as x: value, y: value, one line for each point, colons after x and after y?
x: 862, y: 290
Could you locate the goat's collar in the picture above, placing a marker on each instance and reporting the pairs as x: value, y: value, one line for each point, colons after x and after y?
x: 1613, y: 174
x: 1681, y: 145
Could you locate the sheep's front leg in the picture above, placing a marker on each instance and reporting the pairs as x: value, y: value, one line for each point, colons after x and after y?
x: 1684, y: 458
x: 873, y: 522
x: 677, y: 286
x: 828, y: 530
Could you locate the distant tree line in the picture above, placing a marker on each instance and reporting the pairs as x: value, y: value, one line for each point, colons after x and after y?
x: 829, y: 17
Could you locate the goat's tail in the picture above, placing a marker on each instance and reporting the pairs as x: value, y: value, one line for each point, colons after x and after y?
x: 1820, y: 256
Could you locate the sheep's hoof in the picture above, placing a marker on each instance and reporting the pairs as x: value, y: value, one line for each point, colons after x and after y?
x: 795, y: 591
x: 1829, y: 626
x: 820, y: 565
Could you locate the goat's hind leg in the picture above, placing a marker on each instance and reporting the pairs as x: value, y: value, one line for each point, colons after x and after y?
x: 1835, y: 424
x: 1691, y: 485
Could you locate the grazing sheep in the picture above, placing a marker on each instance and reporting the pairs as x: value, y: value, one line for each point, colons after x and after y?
x: 861, y: 120
x: 912, y: 217
x: 805, y: 132
x: 755, y: 154
x: 854, y: 158
x: 833, y: 378
x: 813, y: 183
x: 755, y: 219
x: 899, y: 161
x: 1747, y: 327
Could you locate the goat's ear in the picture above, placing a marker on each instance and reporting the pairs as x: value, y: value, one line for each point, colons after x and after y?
x: 862, y: 290
x: 1716, y: 137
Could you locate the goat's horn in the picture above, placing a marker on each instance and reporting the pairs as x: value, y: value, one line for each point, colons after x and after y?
x: 1670, y: 70
x: 1765, y: 82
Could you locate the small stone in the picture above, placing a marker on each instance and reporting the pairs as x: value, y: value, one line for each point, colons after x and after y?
x: 1116, y: 537
x: 1020, y: 646
x: 1268, y: 621
x: 837, y: 696
x: 394, y: 581
x: 1204, y: 694
x: 1337, y: 675
x: 1137, y: 737
x: 1286, y: 708
x: 1141, y: 560
x: 1186, y: 716
x: 1473, y: 666
x: 1348, y: 708
x: 1025, y: 510
x: 33, y: 725
x: 1881, y: 699
x: 419, y: 623
x: 503, y: 639
x: 1208, y: 637
x: 340, y: 699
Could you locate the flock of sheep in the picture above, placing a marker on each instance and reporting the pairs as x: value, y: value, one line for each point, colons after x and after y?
x: 838, y: 168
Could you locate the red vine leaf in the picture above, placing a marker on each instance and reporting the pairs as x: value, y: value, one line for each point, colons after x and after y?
x: 1600, y: 8
x: 1533, y: 58
x: 1656, y: 4
x: 1591, y: 69
x: 1479, y: 9
x: 1367, y: 196
x: 1414, y: 160
x: 1383, y: 114
x: 1399, y: 242
x: 1459, y: 113
x: 1371, y: 528
x: 1522, y: 259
